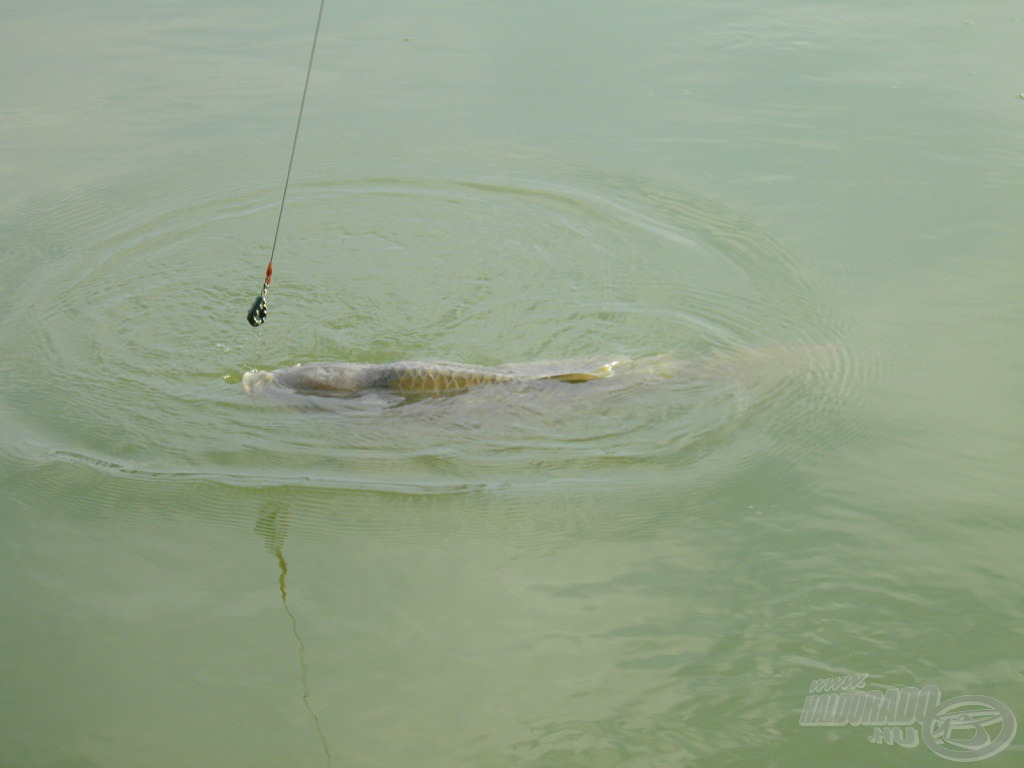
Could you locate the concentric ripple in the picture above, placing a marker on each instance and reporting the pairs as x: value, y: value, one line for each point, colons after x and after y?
x: 126, y: 337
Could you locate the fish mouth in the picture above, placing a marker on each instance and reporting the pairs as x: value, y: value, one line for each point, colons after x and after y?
x: 253, y: 381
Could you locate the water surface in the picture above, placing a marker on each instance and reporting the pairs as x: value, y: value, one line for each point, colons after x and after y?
x: 652, y: 576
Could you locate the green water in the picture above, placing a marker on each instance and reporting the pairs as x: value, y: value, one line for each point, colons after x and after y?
x: 647, y: 576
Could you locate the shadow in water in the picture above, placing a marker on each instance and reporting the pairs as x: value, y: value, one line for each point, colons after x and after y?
x: 272, y: 527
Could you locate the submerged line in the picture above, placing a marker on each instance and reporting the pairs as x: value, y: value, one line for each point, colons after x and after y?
x: 273, y: 529
x: 303, y: 669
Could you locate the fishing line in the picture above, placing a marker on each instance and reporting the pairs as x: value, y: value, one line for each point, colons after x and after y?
x: 258, y: 311
x: 272, y: 527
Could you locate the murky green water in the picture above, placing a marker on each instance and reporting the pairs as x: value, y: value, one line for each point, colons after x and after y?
x: 648, y: 575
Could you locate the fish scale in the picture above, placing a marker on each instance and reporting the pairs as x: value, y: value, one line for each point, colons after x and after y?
x: 440, y: 378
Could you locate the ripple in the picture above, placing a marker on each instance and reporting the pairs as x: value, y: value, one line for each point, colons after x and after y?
x: 131, y: 321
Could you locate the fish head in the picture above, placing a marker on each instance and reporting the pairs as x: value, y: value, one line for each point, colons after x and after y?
x: 255, y: 381
x: 324, y: 379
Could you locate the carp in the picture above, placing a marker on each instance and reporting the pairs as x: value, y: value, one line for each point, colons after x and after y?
x: 409, y: 377
x: 749, y: 367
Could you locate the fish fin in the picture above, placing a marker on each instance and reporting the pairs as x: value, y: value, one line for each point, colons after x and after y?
x: 578, y: 376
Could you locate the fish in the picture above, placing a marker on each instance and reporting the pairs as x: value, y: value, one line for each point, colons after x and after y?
x: 748, y: 367
x: 411, y: 377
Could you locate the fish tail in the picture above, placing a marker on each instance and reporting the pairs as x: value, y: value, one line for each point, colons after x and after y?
x: 605, y: 371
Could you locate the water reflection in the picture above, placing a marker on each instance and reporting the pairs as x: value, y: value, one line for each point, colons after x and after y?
x: 272, y: 527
